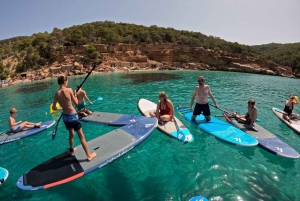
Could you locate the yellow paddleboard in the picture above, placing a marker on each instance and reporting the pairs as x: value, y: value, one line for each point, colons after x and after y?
x: 51, y: 111
x: 295, y: 99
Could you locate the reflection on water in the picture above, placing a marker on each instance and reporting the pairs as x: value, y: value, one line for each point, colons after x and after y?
x: 34, y: 87
x: 150, y: 77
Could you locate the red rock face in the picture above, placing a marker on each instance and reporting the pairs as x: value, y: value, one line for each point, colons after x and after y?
x: 170, y: 53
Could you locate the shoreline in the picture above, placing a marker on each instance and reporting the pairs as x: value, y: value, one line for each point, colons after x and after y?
x: 26, y: 81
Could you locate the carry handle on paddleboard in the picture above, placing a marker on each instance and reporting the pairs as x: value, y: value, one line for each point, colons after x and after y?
x: 55, y: 129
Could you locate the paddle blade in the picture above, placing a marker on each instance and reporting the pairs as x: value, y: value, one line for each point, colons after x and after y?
x: 99, y: 98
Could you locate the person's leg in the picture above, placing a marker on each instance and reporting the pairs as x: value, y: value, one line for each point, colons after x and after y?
x: 197, y: 111
x: 294, y: 116
x: 165, y: 117
x: 89, y: 155
x: 206, y: 112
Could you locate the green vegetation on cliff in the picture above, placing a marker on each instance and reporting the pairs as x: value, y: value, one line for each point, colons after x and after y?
x: 34, y: 51
x: 284, y: 54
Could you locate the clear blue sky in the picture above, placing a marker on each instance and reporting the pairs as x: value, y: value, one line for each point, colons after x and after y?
x: 250, y: 22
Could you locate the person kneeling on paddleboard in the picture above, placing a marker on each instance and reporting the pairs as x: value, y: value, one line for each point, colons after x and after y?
x: 81, y: 95
x: 202, y: 91
x: 288, y: 109
x: 164, y: 110
x: 16, y: 127
x: 65, y: 96
x: 249, y: 118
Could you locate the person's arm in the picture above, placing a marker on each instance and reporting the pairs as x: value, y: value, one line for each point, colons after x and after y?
x: 192, y: 99
x: 170, y: 105
x: 85, y: 96
x: 254, y: 116
x: 157, y: 110
x: 54, y: 104
x: 74, y: 97
x: 12, y: 123
x: 212, y: 97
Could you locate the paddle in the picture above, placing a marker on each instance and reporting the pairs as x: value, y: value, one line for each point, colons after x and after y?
x: 98, y: 99
x: 231, y: 114
x: 55, y: 129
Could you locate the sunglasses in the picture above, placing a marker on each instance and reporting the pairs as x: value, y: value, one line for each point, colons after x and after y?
x: 200, y: 80
x: 292, y: 97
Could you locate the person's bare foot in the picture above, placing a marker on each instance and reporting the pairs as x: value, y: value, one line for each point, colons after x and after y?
x: 89, y: 112
x: 72, y: 151
x: 92, y: 155
x: 38, y: 125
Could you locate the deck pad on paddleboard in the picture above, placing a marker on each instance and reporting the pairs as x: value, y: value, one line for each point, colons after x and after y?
x: 219, y: 129
x: 295, y: 123
x: 3, y: 175
x: 169, y: 128
x: 9, y: 136
x: 111, y: 119
x: 64, y: 167
x: 266, y: 139
x: 198, y: 198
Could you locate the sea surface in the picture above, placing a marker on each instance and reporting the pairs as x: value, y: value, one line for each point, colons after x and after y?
x: 160, y: 168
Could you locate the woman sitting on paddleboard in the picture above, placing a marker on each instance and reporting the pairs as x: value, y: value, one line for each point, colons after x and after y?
x: 164, y: 110
x: 288, y: 108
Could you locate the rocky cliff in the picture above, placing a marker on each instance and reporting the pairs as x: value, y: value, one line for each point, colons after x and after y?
x: 169, y: 55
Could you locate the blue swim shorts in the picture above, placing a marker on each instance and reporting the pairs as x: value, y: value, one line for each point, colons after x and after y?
x: 72, y: 121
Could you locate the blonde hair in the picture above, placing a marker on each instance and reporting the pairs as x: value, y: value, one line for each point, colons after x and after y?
x: 13, y: 110
x: 163, y: 94
x: 201, y: 77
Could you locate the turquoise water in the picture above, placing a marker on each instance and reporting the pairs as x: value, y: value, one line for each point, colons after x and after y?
x: 160, y: 168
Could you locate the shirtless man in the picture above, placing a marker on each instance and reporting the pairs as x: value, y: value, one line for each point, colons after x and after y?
x: 202, y: 91
x: 81, y: 95
x: 16, y: 127
x: 250, y: 117
x: 65, y: 96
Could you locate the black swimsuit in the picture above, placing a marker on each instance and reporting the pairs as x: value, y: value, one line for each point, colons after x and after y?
x: 288, y: 110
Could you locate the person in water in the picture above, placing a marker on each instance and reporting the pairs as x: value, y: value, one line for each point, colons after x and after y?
x: 251, y: 115
x: 81, y: 95
x: 164, y: 109
x: 202, y: 91
x: 65, y: 96
x: 288, y: 109
x: 16, y: 127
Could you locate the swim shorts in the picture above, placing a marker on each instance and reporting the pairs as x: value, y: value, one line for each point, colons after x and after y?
x: 81, y: 105
x: 17, y: 129
x: 202, y: 108
x: 71, y: 121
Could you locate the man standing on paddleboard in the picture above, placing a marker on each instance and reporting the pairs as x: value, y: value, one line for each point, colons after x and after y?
x: 65, y: 96
x: 202, y: 91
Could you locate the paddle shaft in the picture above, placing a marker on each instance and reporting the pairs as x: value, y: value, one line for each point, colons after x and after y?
x: 55, y: 129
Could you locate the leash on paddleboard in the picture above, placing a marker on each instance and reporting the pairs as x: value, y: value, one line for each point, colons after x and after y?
x: 55, y: 129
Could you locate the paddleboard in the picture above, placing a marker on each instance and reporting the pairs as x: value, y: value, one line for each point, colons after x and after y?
x: 219, y: 129
x: 266, y: 139
x: 65, y: 168
x: 111, y: 119
x: 198, y: 198
x: 295, y: 123
x: 169, y: 128
x: 57, y: 105
x: 3, y: 175
x: 9, y: 136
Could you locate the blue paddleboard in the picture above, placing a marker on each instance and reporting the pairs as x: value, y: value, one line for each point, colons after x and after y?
x: 111, y: 119
x: 198, y: 198
x: 9, y: 136
x: 219, y: 129
x: 3, y: 175
x: 266, y: 139
x: 169, y: 128
x: 65, y: 167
